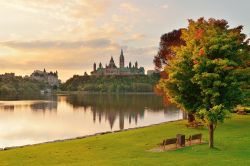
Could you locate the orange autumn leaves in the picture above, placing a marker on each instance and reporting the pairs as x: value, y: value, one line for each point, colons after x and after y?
x: 201, y: 53
x: 198, y: 34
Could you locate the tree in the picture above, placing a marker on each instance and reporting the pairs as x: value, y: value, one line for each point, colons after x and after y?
x: 207, y: 75
x: 165, y: 53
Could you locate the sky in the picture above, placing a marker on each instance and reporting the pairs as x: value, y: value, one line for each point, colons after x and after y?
x: 70, y: 35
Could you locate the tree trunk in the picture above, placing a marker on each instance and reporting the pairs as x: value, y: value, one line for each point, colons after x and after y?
x: 191, y: 117
x: 211, y: 135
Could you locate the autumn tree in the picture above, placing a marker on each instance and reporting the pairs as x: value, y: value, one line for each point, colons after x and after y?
x: 207, y: 74
x: 165, y: 52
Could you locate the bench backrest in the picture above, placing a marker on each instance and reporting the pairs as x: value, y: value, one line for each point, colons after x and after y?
x: 170, y: 141
x: 196, y: 136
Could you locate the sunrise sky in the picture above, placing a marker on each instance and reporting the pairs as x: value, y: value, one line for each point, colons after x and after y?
x: 69, y: 35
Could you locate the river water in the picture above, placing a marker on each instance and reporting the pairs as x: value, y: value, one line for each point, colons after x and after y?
x: 35, y: 120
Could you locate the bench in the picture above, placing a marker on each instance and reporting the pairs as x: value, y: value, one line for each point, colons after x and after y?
x: 169, y: 141
x: 194, y: 137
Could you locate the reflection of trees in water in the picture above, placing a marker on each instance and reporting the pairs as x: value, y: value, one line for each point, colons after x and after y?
x: 7, y: 107
x: 23, y: 97
x: 111, y: 106
x: 42, y: 105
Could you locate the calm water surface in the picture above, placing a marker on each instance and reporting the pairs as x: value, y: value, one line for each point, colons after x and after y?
x: 59, y: 117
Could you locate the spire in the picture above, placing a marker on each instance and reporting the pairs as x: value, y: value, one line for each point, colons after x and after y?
x: 100, y: 65
x: 112, y: 63
x: 94, y: 66
x: 130, y: 64
x: 122, y: 59
x: 121, y: 52
x: 112, y: 60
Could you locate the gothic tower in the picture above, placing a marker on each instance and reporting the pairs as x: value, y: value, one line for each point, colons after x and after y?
x: 112, y: 63
x: 121, y: 59
x: 94, y: 66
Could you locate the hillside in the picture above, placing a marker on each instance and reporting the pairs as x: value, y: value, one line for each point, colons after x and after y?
x: 140, y: 83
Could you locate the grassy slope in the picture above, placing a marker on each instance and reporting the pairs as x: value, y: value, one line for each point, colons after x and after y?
x: 129, y: 148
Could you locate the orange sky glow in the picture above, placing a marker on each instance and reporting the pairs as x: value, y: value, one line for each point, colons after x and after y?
x: 70, y: 35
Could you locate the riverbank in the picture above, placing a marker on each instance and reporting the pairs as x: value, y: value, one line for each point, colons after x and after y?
x: 131, y: 147
x: 108, y: 93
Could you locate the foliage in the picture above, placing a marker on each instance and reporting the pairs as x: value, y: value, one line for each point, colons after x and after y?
x: 207, y: 74
x: 17, y: 85
x: 165, y: 53
x: 117, y: 84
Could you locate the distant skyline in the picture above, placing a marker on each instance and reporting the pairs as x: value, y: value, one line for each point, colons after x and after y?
x: 70, y: 35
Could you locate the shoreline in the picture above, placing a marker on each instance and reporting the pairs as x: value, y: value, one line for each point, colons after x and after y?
x: 87, y: 136
x: 88, y: 92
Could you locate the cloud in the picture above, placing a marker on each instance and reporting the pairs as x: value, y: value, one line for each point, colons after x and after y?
x: 165, y: 6
x: 135, y: 37
x: 74, y: 8
x: 70, y: 35
x: 130, y: 7
x: 97, y: 43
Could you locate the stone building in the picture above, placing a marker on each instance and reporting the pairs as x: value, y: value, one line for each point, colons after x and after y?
x: 112, y: 69
x: 151, y: 72
x: 50, y: 77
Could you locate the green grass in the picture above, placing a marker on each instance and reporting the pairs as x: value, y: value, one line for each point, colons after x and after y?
x: 232, y: 140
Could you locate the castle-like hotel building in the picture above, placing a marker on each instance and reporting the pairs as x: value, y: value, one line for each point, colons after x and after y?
x: 112, y: 69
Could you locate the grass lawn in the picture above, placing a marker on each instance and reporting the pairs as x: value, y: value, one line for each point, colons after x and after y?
x: 232, y: 141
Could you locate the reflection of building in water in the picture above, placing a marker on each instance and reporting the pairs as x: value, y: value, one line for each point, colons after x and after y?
x: 110, y: 107
x: 49, y: 105
x: 44, y: 106
x: 111, y: 115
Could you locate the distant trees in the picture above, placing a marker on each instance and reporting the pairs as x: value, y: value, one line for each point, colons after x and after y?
x: 111, y: 83
x: 17, y: 85
x: 207, y: 75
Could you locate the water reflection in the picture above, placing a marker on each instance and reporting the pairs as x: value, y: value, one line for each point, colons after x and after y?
x: 50, y: 104
x: 122, y: 106
x: 59, y: 117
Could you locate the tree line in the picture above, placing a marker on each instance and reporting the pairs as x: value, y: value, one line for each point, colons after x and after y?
x: 17, y: 85
x: 116, y: 84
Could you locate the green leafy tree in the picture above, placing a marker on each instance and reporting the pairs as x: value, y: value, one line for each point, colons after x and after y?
x: 207, y: 75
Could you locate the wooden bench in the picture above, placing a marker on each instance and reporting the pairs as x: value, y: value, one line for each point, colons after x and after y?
x: 194, y: 137
x: 169, y: 141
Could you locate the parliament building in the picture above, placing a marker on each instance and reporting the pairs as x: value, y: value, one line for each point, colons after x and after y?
x: 112, y: 69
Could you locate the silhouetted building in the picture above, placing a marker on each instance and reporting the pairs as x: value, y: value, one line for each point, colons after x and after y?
x: 112, y: 69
